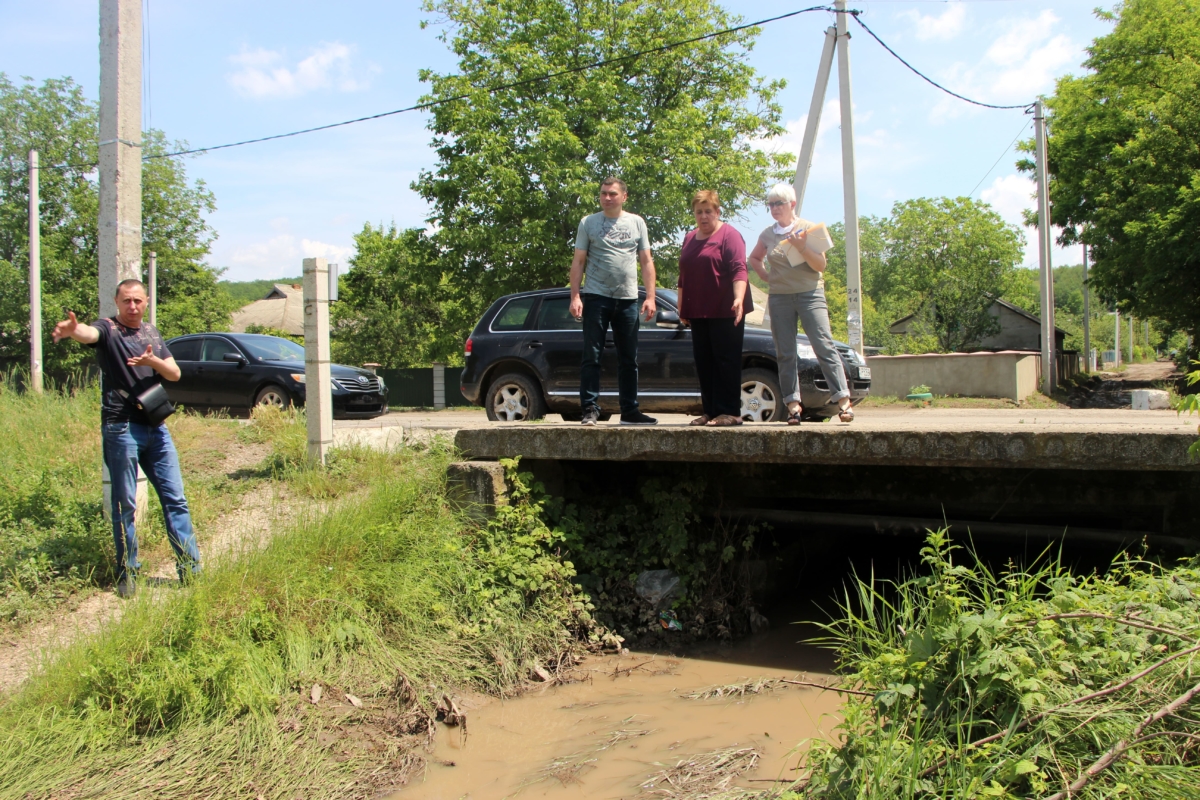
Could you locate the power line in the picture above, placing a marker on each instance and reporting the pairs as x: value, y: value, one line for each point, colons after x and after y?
x: 998, y: 160
x: 925, y: 77
x: 490, y: 90
x: 550, y: 76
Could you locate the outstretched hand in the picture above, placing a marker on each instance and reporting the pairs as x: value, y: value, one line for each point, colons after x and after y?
x: 146, y: 359
x: 64, y: 329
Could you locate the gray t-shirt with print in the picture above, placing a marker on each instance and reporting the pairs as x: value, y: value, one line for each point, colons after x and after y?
x: 612, y: 247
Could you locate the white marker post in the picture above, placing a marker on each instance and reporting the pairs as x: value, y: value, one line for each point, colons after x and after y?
x: 318, y: 403
x: 35, y: 278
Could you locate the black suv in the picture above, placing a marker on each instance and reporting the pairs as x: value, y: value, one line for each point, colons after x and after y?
x: 523, y: 361
x: 238, y: 371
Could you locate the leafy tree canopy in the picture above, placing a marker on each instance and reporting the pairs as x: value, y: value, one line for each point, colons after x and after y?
x: 1125, y: 164
x: 943, y: 260
x: 392, y: 307
x: 518, y: 168
x: 58, y: 121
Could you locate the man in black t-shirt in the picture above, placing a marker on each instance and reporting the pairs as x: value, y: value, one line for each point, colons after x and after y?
x: 132, y: 357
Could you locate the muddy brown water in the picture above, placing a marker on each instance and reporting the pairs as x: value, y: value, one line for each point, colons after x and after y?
x: 606, y: 737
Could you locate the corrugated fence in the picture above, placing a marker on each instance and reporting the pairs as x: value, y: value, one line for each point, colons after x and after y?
x: 413, y: 387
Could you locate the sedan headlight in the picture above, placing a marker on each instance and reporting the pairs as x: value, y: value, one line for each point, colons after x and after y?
x: 382, y: 386
x: 804, y: 350
x: 298, y: 377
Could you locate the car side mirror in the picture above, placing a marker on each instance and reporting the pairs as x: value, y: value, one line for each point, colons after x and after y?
x: 235, y: 358
x: 665, y: 317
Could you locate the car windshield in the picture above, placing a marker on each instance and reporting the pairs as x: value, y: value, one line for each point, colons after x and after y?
x: 271, y: 348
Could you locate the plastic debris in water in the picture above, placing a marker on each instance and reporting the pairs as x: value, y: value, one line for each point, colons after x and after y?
x: 669, y: 621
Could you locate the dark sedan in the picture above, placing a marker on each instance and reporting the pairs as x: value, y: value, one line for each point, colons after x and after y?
x: 522, y: 361
x: 238, y: 371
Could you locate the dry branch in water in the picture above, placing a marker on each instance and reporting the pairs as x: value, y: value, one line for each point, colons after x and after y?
x: 702, y: 775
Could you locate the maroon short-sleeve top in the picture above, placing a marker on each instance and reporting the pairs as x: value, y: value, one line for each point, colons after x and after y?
x: 707, y: 270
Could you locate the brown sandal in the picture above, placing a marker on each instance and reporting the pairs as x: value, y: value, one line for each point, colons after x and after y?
x: 725, y: 420
x: 846, y: 414
x: 703, y: 419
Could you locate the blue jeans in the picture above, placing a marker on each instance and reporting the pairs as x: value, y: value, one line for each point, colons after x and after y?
x: 127, y: 444
x: 598, y: 314
x: 810, y: 311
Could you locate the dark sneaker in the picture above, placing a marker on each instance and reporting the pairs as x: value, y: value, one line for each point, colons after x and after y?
x: 126, y: 587
x: 591, y: 416
x: 637, y: 418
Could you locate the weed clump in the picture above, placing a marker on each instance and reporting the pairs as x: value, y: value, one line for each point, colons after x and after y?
x: 312, y: 665
x: 1032, y: 682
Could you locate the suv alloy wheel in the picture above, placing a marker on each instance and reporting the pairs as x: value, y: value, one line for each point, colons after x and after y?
x: 515, y: 398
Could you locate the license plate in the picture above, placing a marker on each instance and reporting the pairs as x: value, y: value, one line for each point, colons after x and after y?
x: 864, y: 373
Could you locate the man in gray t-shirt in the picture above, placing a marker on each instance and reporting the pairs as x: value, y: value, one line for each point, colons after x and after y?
x: 611, y: 244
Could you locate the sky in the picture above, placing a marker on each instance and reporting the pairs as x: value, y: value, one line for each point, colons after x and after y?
x: 220, y: 71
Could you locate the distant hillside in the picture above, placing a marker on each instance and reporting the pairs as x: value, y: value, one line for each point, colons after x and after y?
x: 246, y: 292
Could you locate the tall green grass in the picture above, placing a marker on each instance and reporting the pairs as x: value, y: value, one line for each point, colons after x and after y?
x: 1016, y: 684
x: 54, y: 543
x: 53, y: 540
x: 387, y: 595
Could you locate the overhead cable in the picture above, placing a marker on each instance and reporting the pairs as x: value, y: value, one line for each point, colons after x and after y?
x: 925, y: 77
x: 552, y: 75
x: 490, y: 89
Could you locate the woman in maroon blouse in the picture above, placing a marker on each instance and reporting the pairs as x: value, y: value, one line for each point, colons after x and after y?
x: 714, y: 302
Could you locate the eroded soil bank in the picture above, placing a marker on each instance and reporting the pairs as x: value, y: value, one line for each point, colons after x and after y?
x: 638, y: 715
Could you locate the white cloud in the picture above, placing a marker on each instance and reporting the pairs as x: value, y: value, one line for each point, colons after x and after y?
x: 335, y: 254
x: 1020, y: 37
x: 1010, y: 195
x: 793, y: 135
x: 943, y: 27
x: 1021, y: 63
x: 263, y: 73
x: 282, y: 256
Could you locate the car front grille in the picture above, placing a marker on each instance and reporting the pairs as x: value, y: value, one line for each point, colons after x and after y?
x: 353, y: 385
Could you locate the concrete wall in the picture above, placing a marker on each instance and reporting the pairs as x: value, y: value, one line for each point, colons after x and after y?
x: 1011, y: 374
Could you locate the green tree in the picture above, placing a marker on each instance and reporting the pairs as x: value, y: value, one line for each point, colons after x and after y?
x: 57, y: 120
x: 872, y: 243
x: 945, y: 261
x: 518, y: 168
x: 1124, y: 162
x: 393, y: 308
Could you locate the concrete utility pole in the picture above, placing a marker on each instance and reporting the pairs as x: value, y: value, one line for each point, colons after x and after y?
x: 1117, y: 337
x: 854, y: 318
x: 318, y: 402
x: 1087, y: 318
x: 1049, y: 379
x: 1131, y: 337
x: 152, y: 286
x: 120, y: 147
x: 808, y: 145
x: 35, y: 278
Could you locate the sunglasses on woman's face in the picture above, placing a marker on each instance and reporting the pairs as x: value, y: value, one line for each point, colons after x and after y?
x: 776, y: 204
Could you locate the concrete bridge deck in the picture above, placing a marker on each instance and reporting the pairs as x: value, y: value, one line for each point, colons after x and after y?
x: 1113, y: 473
x: 1101, y: 439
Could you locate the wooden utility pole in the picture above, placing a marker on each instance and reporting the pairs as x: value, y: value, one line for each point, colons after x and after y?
x: 35, y: 277
x: 120, y: 242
